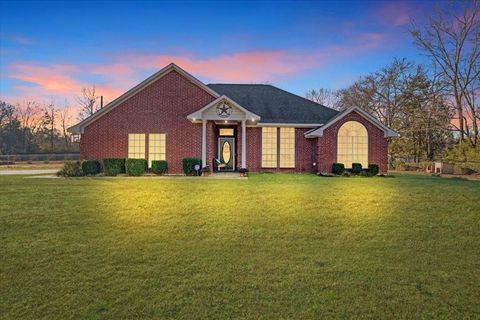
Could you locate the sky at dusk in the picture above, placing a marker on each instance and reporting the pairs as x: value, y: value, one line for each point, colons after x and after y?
x: 50, y: 50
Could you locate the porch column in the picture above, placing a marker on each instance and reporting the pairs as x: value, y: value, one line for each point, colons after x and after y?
x: 204, y: 143
x: 244, y: 144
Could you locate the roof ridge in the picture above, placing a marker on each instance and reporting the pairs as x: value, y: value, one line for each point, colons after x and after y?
x: 283, y: 90
x: 241, y: 84
x: 311, y: 101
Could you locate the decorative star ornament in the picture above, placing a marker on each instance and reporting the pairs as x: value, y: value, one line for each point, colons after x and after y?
x: 224, y: 110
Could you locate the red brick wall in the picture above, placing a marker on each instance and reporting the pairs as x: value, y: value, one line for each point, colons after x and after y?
x: 162, y: 107
x: 327, y: 144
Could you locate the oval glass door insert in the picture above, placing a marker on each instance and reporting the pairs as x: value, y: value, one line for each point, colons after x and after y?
x: 226, y: 152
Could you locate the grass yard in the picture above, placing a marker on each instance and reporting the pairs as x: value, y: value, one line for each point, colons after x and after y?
x: 273, y: 246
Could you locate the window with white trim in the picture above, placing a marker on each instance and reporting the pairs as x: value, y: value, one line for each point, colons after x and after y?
x: 269, y: 147
x: 156, y: 147
x: 287, y: 147
x: 136, y: 145
x: 352, y: 144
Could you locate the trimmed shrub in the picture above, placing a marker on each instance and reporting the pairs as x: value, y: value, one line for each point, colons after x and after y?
x: 135, y: 167
x: 113, y: 166
x: 356, y: 168
x: 159, y: 166
x: 91, y: 167
x: 71, y: 169
x: 338, y: 168
x: 189, y: 164
x: 373, y: 169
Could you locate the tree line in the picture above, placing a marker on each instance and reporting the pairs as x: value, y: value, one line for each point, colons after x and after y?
x: 33, y: 127
x: 435, y: 108
x: 30, y: 127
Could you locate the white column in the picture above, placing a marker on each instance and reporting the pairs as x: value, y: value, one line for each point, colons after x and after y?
x: 244, y: 144
x: 204, y: 143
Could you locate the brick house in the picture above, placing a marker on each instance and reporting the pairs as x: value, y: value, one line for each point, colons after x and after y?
x: 172, y: 115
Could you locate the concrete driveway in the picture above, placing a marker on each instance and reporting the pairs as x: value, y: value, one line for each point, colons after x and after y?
x: 26, y: 171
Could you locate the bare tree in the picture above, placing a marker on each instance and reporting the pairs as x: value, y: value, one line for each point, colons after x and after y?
x: 381, y: 93
x: 88, y: 103
x: 452, y: 41
x: 403, y: 97
x: 65, y: 118
x: 326, y: 97
x: 7, y: 113
x: 49, y: 121
x: 29, y: 114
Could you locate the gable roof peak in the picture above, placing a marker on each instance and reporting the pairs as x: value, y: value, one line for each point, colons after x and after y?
x: 319, y: 131
x: 78, y: 128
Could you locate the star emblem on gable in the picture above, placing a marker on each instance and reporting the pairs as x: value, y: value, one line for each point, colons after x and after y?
x: 224, y: 110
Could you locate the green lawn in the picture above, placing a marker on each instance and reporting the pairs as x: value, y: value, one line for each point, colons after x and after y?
x: 273, y: 246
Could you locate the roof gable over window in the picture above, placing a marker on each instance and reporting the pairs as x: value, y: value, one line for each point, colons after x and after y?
x: 319, y: 131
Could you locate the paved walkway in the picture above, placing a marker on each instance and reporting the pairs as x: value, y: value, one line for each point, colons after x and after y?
x: 26, y: 171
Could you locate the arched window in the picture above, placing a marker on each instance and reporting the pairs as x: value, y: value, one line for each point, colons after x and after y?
x: 352, y: 144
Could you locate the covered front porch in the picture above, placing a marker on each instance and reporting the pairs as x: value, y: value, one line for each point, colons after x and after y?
x: 224, y: 134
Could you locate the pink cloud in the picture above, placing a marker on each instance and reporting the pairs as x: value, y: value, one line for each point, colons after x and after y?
x: 396, y: 13
x: 251, y: 66
x: 65, y: 81
x: 54, y: 78
x: 51, y: 82
x: 62, y: 80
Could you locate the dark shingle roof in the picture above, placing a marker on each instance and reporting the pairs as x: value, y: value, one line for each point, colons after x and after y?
x: 275, y: 105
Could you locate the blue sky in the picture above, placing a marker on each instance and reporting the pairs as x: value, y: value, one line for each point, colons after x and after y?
x: 50, y: 50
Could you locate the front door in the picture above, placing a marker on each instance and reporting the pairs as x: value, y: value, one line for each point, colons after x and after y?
x: 226, y: 154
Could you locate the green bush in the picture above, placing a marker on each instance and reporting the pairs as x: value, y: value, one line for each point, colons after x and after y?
x: 159, y: 166
x: 356, y: 168
x: 113, y: 166
x: 338, y: 168
x: 373, y: 169
x: 463, y: 152
x: 71, y: 169
x: 188, y: 165
x: 91, y: 167
x: 135, y: 167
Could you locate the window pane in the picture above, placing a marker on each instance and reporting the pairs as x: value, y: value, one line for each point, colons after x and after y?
x: 136, y: 145
x: 156, y: 147
x: 226, y: 131
x: 352, y: 144
x: 287, y: 147
x: 269, y: 147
